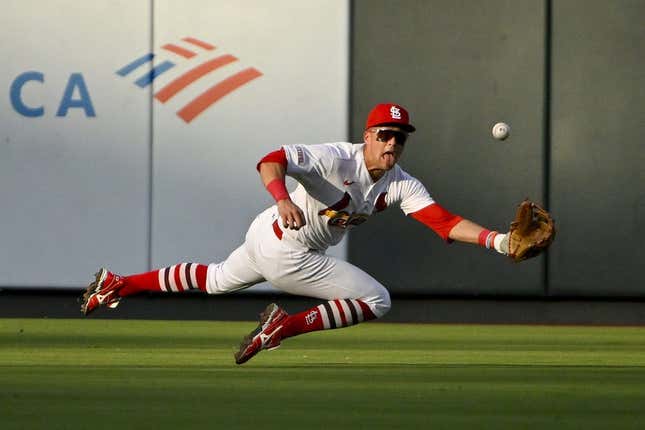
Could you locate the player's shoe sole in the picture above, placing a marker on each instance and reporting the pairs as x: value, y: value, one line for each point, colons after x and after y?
x: 92, y: 297
x: 266, y: 335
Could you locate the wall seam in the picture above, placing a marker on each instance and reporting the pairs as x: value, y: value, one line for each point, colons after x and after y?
x: 350, y: 95
x: 350, y: 54
x: 151, y: 142
x: 546, y: 118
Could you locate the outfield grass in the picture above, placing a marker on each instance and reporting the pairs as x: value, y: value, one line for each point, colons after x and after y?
x: 157, y: 374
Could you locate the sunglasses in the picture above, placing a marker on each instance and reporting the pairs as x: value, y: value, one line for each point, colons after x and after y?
x: 385, y: 134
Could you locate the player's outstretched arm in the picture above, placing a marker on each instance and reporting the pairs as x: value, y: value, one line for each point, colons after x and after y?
x: 531, y: 233
x: 451, y: 227
x: 470, y: 232
x: 273, y: 178
x: 466, y: 231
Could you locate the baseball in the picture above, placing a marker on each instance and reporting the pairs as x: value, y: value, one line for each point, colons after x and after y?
x: 501, y: 131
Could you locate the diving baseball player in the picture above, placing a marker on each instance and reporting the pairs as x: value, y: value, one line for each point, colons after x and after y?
x: 340, y: 185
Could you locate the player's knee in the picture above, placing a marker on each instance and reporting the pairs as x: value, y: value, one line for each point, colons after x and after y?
x: 214, y: 280
x: 379, y: 302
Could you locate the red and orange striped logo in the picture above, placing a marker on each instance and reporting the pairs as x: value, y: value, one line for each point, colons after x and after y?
x: 190, y: 48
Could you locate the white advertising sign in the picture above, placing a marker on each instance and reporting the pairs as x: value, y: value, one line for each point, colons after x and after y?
x: 130, y: 131
x: 74, y: 145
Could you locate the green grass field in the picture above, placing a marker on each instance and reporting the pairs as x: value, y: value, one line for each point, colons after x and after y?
x: 157, y: 374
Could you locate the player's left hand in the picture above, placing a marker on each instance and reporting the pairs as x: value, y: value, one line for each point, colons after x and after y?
x: 531, y: 233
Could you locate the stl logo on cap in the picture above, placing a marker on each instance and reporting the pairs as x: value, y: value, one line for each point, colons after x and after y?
x: 395, y: 112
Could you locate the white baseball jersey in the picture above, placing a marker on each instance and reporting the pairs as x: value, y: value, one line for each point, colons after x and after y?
x: 336, y: 192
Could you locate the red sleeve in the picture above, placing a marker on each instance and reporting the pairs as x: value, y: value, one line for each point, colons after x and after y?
x: 438, y: 219
x: 278, y: 156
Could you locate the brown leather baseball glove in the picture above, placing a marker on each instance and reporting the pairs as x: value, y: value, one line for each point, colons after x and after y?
x: 531, y: 232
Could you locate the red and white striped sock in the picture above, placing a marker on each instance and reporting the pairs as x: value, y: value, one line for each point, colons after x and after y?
x: 329, y: 315
x: 180, y: 277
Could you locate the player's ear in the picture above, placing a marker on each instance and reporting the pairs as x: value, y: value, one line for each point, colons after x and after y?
x: 365, y: 134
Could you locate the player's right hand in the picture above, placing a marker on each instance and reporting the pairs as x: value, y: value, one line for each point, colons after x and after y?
x: 292, y: 216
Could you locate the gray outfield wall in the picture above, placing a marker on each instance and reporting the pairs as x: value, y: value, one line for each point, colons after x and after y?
x: 569, y: 77
x: 129, y: 184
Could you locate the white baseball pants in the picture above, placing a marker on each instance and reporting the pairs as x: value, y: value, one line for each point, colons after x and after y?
x: 291, y: 267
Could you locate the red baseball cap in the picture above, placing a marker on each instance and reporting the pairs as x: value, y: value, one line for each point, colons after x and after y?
x: 389, y: 114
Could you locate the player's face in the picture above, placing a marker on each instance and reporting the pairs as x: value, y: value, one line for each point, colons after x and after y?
x: 384, y: 146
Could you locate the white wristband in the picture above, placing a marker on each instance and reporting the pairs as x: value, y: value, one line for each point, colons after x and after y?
x: 499, y: 246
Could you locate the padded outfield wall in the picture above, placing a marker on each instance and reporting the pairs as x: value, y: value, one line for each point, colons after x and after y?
x: 569, y: 77
x: 598, y: 147
x: 98, y: 168
x: 131, y: 129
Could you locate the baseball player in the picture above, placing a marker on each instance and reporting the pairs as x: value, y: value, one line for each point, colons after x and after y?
x: 340, y: 185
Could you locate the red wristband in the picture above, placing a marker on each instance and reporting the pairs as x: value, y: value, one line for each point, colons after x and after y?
x: 278, y: 189
x: 486, y: 238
